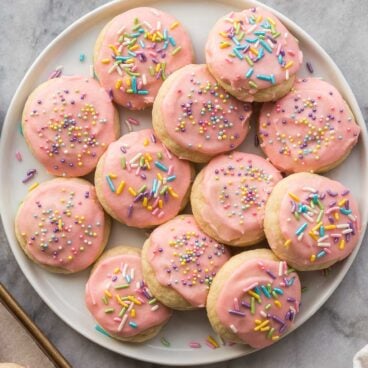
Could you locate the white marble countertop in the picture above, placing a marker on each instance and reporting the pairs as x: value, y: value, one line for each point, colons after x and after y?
x: 340, y: 328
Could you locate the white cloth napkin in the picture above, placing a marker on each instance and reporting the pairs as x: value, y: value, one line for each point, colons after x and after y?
x: 361, y: 358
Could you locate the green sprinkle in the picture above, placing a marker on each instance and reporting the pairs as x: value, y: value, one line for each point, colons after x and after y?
x: 152, y: 301
x: 123, y: 163
x: 109, y: 310
x: 20, y: 128
x: 175, y: 51
x: 268, y: 306
x: 304, y: 289
x: 104, y: 300
x: 142, y: 188
x: 252, y: 305
x: 122, y: 312
x: 252, y: 84
x: 164, y: 342
x: 123, y: 286
x: 270, y: 332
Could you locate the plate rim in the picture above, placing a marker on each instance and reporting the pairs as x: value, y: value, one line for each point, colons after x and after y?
x: 112, y: 6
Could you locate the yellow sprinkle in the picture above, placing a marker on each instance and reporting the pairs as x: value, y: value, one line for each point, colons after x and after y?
x: 211, y: 340
x: 132, y: 191
x: 287, y: 243
x: 159, y: 177
x: 254, y: 51
x: 158, y: 66
x: 113, y: 176
x: 120, y: 187
x: 160, y: 203
x: 108, y: 294
x: 312, y: 257
x: 133, y: 48
x: 172, y: 193
x: 342, y: 244
x: 145, y: 201
x: 293, y: 196
x: 35, y: 185
x: 134, y: 300
x: 223, y: 45
x: 258, y: 322
x: 117, y: 270
x: 149, y: 208
x: 121, y: 302
x: 267, y: 328
x: 317, y: 226
x: 252, y: 293
x: 105, y: 61
x: 259, y: 18
x: 271, y: 21
x: 330, y: 227
x: 146, y: 142
x: 114, y: 49
x: 132, y: 313
x: 127, y: 81
x: 277, y: 303
x: 174, y: 25
x: 289, y: 64
x: 314, y: 236
x: 342, y: 202
x: 60, y: 225
x: 274, y: 338
x: 261, y: 325
x: 223, y: 34
x: 337, y: 216
x: 118, y: 84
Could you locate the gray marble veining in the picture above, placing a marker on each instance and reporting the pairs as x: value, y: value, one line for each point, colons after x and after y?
x: 340, y: 328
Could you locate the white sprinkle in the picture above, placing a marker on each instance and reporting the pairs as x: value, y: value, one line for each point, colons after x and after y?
x: 135, y: 158
x: 309, y: 189
x: 351, y: 217
x: 263, y: 314
x: 323, y: 238
x: 112, y: 68
x: 158, y: 26
x: 121, y: 30
x: 123, y: 322
x: 155, y: 307
x: 144, y: 79
x: 300, y: 237
x: 322, y: 244
x: 129, y: 126
x: 233, y: 328
x: 280, y: 268
x: 287, y: 74
x: 147, y: 24
x: 132, y: 273
x: 342, y: 226
x: 124, y: 269
x: 91, y: 71
x: 347, y: 231
x: 307, y: 217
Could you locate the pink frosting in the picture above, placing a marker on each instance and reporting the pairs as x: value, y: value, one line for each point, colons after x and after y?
x: 185, y: 259
x: 244, y: 47
x: 201, y: 116
x: 63, y: 224
x: 272, y: 311
x: 153, y: 180
x: 153, y: 42
x: 69, y: 121
x: 310, y: 128
x: 114, y: 289
x: 319, y: 201
x: 235, y: 188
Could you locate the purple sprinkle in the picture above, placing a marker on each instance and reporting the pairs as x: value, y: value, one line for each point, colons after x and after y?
x: 122, y: 149
x: 245, y: 304
x: 110, y: 94
x: 277, y: 319
x: 290, y: 299
x: 30, y: 174
x: 256, y: 140
x: 331, y: 193
x: 345, y: 192
x: 310, y: 67
x: 271, y: 274
x: 237, y: 313
x: 283, y: 328
x: 130, y: 210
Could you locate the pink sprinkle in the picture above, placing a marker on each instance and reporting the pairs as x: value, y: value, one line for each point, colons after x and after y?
x: 117, y: 319
x: 155, y: 203
x: 229, y: 60
x: 137, y: 171
x: 278, y: 49
x: 210, y: 345
x: 18, y: 156
x: 196, y: 345
x: 261, y: 265
x: 168, y: 154
x: 236, y: 304
x: 155, y: 211
x: 250, y: 287
x: 170, y: 171
x: 161, y: 214
x: 332, y: 209
x: 291, y: 52
x: 133, y: 121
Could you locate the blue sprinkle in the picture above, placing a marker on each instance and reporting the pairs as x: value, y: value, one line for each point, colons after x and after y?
x: 301, y: 229
x: 249, y: 73
x: 111, y: 184
x: 266, y: 46
x: 133, y: 324
x: 264, y: 77
x: 344, y: 211
x: 172, y: 41
x: 257, y: 290
x: 260, y: 53
x: 278, y: 291
x: 128, y: 279
x: 142, y: 44
x: 142, y: 92
x: 280, y: 59
x: 235, y: 40
x: 166, y: 44
x: 238, y: 54
x: 165, y: 34
x: 131, y: 53
x: 251, y: 40
x: 101, y: 330
x: 154, y: 185
x: 171, y: 178
x: 322, y: 231
x: 265, y: 292
x: 134, y: 84
x: 122, y: 58
x: 161, y: 166
x: 259, y: 33
x: 273, y: 80
x: 134, y: 35
x: 321, y: 254
x: 82, y: 57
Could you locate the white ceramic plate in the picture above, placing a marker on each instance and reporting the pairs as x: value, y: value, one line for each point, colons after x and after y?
x: 65, y: 294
